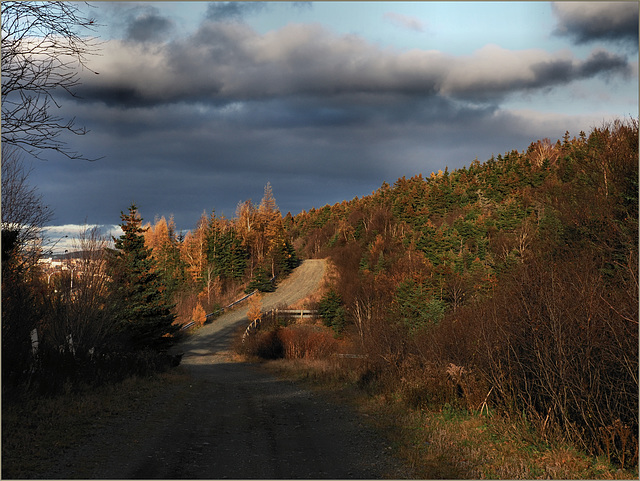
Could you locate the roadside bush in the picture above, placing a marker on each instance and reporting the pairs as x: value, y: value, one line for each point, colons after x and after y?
x: 265, y: 344
x: 555, y: 343
x: 306, y: 342
x: 293, y: 342
x: 425, y: 384
x: 199, y: 315
x: 61, y: 370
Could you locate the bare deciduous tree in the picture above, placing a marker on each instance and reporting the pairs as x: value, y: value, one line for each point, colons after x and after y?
x: 81, y: 311
x: 42, y: 51
x: 23, y: 212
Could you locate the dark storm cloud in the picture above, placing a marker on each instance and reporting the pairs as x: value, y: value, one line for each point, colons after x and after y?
x: 229, y: 62
x: 117, y: 95
x: 182, y: 159
x: 602, y: 62
x: 562, y: 71
x: 295, y: 137
x: 493, y: 72
x: 146, y: 24
x: 138, y: 22
x: 204, y: 121
x: 586, y: 22
x: 218, y: 11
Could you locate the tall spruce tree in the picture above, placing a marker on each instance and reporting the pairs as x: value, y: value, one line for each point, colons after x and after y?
x: 146, y: 315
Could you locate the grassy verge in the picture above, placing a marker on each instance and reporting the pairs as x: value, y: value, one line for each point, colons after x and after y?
x: 36, y: 430
x: 451, y: 443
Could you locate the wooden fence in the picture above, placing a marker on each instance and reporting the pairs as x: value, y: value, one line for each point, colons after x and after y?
x: 275, y: 314
x: 297, y: 313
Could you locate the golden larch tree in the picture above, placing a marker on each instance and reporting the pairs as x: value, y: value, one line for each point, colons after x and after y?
x: 199, y: 315
x: 193, y: 249
x: 255, y: 307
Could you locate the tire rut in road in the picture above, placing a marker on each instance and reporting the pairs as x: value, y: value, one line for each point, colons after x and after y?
x: 242, y: 423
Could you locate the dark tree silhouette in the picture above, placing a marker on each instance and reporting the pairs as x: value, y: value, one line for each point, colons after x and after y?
x: 145, y: 310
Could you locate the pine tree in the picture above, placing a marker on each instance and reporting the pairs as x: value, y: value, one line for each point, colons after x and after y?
x: 332, y: 311
x: 260, y: 281
x: 146, y: 315
x: 228, y: 255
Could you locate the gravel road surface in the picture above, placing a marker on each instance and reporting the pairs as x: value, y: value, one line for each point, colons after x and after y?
x: 215, y: 338
x: 235, y: 420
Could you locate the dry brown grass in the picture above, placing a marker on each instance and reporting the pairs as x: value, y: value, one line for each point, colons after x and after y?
x: 448, y: 443
x: 35, y: 431
x: 301, y: 340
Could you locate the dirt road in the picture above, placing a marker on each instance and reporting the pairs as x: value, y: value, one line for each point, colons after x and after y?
x: 234, y: 420
x: 216, y: 337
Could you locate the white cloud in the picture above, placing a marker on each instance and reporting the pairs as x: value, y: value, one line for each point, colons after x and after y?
x: 540, y: 124
x: 405, y: 21
x: 230, y: 62
x: 65, y: 238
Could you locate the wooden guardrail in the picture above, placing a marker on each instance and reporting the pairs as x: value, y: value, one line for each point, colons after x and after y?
x: 222, y: 309
x: 274, y: 314
x: 219, y: 311
x: 301, y: 313
x: 285, y: 312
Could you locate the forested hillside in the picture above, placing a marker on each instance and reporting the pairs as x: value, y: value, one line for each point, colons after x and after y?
x: 213, y: 263
x: 514, y: 280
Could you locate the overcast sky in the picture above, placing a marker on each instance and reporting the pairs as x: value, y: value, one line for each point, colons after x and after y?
x: 196, y: 106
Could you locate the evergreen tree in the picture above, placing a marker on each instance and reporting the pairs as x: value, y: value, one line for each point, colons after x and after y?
x: 260, y: 281
x: 285, y: 257
x: 227, y: 254
x: 332, y: 311
x: 146, y: 315
x: 415, y: 306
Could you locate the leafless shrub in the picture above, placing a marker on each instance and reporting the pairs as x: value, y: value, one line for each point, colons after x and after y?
x: 293, y: 342
x: 307, y: 342
x: 80, y: 315
x: 23, y: 212
x: 555, y: 346
x: 264, y: 344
